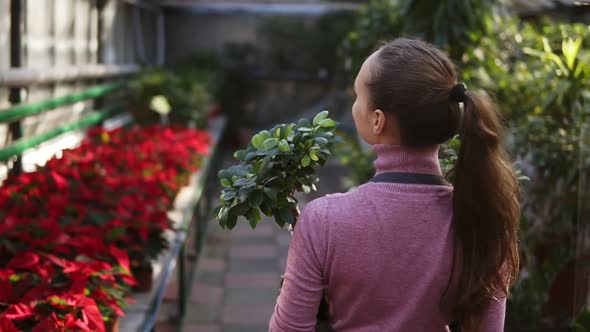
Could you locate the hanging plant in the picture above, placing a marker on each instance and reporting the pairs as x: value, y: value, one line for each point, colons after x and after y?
x: 276, y: 164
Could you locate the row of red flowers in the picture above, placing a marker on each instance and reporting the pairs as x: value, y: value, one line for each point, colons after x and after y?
x: 72, y: 232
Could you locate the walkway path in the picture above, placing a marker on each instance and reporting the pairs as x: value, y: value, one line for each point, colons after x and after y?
x: 237, y: 278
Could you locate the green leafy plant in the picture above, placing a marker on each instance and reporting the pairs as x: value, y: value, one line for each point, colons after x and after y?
x: 276, y: 164
x: 538, y: 73
x: 359, y: 161
x: 454, y: 25
x: 375, y: 21
x: 184, y: 94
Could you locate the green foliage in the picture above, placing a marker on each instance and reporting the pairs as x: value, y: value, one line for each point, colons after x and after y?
x: 186, y: 91
x: 453, y: 25
x: 359, y: 162
x: 539, y: 74
x: 276, y: 164
x: 376, y: 21
x: 448, y: 156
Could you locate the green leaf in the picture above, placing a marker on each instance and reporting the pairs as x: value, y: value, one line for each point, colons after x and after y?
x: 240, y: 182
x: 319, y: 117
x: 240, y: 154
x: 271, y: 193
x: 231, y: 221
x: 239, y: 209
x: 116, y: 233
x: 287, y: 215
x: 304, y: 123
x: 570, y: 50
x: 254, y: 217
x: 284, y: 146
x: 327, y: 123
x: 321, y: 140
x: 225, y: 183
x: 279, y: 220
x: 258, y: 141
x: 228, y: 195
x: 245, y: 191
x: 98, y: 219
x: 270, y: 143
x: 314, y: 155
x: 255, y: 199
x: 289, y: 130
x: 238, y: 170
x: 305, y: 161
x: 265, y: 207
x: 223, y: 218
x: 215, y: 213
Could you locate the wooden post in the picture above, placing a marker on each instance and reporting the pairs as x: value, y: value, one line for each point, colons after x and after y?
x: 15, y: 127
x: 100, y: 4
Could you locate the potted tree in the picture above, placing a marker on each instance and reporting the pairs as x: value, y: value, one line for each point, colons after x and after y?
x: 276, y: 165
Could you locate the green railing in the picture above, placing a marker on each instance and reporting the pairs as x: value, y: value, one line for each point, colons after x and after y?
x: 20, y: 146
x: 22, y: 111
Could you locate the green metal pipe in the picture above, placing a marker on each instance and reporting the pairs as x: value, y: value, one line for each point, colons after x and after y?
x: 23, y: 144
x: 21, y: 111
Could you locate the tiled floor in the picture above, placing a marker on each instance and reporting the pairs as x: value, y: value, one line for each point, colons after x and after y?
x: 237, y: 278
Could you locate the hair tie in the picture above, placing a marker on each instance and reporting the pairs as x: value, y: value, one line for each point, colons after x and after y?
x: 458, y: 93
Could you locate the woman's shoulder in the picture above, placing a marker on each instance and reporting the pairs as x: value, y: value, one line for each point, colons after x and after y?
x: 335, y: 203
x: 333, y: 198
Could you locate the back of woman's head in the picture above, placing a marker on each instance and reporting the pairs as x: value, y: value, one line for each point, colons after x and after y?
x: 417, y: 83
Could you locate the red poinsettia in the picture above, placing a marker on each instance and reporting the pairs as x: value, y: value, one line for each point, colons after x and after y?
x: 69, y: 228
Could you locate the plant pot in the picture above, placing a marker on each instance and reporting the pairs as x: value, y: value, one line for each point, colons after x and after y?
x: 112, y: 325
x: 144, y: 275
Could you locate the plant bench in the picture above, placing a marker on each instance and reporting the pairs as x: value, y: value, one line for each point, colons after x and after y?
x: 191, y: 205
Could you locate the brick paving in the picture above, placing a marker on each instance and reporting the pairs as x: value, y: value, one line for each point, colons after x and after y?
x: 237, y: 278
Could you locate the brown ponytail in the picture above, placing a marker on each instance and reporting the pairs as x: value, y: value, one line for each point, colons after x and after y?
x: 486, y: 210
x: 414, y: 80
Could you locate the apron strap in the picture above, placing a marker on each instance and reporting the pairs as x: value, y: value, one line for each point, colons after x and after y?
x: 410, y: 178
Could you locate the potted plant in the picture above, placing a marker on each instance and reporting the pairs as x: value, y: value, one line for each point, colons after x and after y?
x: 276, y: 164
x: 166, y: 95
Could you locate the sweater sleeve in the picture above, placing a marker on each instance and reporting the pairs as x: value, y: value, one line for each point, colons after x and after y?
x: 303, y: 285
x: 492, y: 319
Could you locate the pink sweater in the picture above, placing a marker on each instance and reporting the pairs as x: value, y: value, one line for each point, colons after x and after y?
x: 381, y: 254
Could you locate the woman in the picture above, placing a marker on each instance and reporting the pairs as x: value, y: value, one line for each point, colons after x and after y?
x: 411, y: 255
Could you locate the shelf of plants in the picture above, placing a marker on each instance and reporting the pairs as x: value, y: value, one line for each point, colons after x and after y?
x: 140, y: 315
x: 78, y: 234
